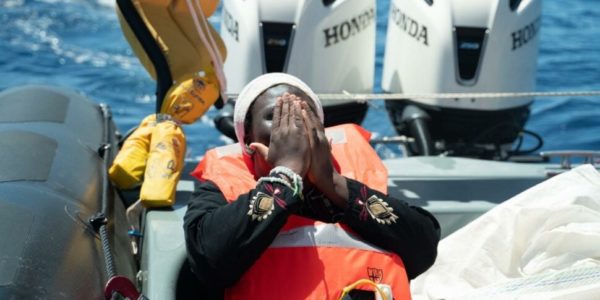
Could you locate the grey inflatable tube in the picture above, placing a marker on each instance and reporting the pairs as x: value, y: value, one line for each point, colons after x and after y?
x: 51, y: 183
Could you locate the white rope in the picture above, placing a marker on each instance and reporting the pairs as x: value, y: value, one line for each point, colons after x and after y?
x: 215, y: 48
x: 211, y: 46
x: 488, y: 96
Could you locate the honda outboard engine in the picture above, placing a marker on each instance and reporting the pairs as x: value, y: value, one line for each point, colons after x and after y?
x: 461, y: 46
x: 329, y: 44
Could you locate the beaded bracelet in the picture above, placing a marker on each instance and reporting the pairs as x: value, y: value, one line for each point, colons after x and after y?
x: 296, y: 179
x: 276, y: 179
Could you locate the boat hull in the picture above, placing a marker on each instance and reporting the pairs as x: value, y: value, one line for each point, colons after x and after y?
x: 51, y: 184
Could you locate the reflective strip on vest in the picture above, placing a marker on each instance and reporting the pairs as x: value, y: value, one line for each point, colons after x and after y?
x: 322, y: 235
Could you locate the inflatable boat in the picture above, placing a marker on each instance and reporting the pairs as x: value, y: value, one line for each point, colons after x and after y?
x: 58, y: 210
x: 63, y: 226
x: 62, y: 223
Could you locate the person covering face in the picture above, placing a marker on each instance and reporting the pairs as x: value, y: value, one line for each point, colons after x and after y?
x: 293, y: 189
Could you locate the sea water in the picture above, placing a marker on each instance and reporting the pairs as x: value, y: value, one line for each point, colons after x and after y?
x: 78, y: 44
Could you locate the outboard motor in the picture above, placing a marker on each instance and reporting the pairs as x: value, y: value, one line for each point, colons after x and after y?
x: 329, y: 44
x: 461, y: 46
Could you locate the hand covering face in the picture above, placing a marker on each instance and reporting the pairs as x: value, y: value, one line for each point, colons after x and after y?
x: 256, y: 87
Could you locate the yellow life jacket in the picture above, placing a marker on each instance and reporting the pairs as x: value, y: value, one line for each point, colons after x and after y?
x: 127, y: 170
x: 153, y: 156
x: 195, y: 85
x: 169, y: 21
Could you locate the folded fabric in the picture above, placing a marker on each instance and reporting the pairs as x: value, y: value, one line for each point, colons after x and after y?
x: 542, y: 244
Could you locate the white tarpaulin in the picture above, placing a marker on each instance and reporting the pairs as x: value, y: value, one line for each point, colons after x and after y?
x: 541, y: 244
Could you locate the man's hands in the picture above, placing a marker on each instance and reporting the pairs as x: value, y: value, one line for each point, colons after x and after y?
x: 289, y: 146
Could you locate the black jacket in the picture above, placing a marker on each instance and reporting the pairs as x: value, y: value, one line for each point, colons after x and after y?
x: 223, y: 241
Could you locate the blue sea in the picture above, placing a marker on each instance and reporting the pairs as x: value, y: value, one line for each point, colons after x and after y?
x: 78, y: 44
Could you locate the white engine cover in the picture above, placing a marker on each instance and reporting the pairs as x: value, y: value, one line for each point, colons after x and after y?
x: 421, y: 50
x: 332, y: 48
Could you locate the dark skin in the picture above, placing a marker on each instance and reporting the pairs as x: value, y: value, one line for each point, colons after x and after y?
x: 286, y: 131
x: 223, y: 241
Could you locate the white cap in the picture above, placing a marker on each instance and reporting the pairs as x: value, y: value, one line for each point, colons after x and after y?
x: 256, y: 87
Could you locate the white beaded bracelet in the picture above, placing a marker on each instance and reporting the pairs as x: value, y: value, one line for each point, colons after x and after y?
x: 275, y: 179
x: 296, y: 179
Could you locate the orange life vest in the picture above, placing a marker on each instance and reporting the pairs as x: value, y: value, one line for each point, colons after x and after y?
x: 310, y: 259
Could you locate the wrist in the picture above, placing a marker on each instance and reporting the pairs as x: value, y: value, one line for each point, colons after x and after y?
x: 296, y: 168
x: 340, y: 192
x: 289, y: 175
x: 324, y: 181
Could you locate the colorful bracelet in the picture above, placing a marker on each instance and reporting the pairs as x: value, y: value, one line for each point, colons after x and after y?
x: 295, y: 178
x: 273, y: 179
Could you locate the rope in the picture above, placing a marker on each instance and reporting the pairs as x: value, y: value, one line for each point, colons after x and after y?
x: 489, y: 96
x: 352, y: 286
x: 211, y: 45
x: 108, y: 260
x: 106, y: 155
x: 99, y: 221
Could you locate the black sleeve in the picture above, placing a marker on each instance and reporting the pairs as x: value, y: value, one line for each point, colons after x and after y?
x: 389, y: 223
x: 224, y: 239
